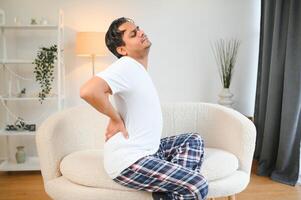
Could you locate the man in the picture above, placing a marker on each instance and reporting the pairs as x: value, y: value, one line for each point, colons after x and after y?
x: 134, y: 153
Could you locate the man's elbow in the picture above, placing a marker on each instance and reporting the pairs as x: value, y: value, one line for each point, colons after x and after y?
x: 88, y: 94
x: 84, y: 93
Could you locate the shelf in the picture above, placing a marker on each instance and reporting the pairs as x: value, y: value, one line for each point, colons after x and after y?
x: 31, y: 164
x: 16, y: 133
x: 30, y: 27
x: 16, y: 61
x: 7, y: 98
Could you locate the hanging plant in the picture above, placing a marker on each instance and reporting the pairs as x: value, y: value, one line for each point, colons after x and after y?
x: 44, y: 69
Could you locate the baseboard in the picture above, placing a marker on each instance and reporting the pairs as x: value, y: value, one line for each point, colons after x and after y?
x: 299, y: 180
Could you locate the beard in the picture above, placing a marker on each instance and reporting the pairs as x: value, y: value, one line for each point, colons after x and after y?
x: 148, y: 45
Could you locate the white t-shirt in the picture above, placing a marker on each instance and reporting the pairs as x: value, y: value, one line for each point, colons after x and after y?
x: 137, y: 102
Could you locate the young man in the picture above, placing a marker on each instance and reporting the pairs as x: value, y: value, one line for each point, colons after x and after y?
x: 134, y: 153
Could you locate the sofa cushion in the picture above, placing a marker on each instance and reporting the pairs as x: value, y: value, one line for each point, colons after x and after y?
x: 218, y: 164
x: 86, y: 167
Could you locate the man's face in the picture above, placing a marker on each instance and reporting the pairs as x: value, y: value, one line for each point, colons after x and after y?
x: 136, y: 42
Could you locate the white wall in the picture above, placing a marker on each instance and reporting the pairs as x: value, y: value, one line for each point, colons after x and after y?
x: 181, y: 63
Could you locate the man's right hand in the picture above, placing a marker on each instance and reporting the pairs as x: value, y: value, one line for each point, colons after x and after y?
x: 96, y: 92
x: 114, y: 127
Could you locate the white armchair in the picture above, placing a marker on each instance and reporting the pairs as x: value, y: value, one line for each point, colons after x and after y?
x: 70, y: 144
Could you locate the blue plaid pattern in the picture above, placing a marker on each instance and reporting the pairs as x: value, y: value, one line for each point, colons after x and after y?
x: 174, y: 169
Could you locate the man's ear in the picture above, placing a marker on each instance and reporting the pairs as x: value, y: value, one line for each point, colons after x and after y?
x: 121, y: 50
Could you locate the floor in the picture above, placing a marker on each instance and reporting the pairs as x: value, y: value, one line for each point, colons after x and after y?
x: 29, y: 186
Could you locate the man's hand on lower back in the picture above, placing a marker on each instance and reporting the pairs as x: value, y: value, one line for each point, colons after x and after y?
x: 114, y: 127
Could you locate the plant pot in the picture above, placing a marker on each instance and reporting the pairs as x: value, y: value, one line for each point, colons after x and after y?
x: 225, y: 98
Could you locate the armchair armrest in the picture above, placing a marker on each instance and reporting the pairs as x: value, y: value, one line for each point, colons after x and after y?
x: 230, y: 130
x: 219, y: 126
x: 71, y: 130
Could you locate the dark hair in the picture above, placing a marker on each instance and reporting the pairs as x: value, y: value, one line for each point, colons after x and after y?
x: 114, y: 35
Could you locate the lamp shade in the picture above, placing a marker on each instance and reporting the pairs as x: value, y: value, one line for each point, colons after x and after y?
x: 90, y: 43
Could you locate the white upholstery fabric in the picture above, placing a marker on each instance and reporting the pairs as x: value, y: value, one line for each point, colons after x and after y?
x: 82, y: 128
x: 86, y: 168
x: 62, y: 189
x: 218, y: 164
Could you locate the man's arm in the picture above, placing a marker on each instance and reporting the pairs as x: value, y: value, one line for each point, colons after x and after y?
x: 96, y: 92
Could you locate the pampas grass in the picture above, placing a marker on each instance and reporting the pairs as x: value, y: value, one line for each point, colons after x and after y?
x: 225, y: 53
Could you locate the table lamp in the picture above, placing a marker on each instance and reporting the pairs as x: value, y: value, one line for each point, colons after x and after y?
x: 90, y: 44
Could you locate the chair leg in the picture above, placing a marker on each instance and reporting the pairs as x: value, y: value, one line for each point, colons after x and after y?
x: 232, y: 197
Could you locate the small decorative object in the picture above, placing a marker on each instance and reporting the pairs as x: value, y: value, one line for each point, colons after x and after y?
x: 20, y: 154
x: 33, y: 21
x: 225, y: 53
x: 20, y: 125
x: 17, y: 21
x: 44, y: 69
x: 30, y: 127
x: 43, y: 21
x: 22, y: 93
x: 10, y: 128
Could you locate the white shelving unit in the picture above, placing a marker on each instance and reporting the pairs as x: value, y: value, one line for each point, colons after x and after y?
x: 31, y: 27
x: 58, y: 96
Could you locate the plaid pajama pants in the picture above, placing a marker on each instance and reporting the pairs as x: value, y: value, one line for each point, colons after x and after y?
x: 174, y: 169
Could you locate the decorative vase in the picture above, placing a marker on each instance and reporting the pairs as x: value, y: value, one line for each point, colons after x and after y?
x: 20, y: 154
x: 226, y: 98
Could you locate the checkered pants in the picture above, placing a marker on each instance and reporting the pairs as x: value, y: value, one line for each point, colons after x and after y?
x: 174, y: 169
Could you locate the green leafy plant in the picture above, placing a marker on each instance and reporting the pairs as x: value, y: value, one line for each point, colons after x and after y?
x: 225, y: 53
x: 44, y: 69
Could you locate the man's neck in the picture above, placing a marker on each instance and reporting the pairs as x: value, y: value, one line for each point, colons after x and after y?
x: 143, y: 61
x: 142, y: 58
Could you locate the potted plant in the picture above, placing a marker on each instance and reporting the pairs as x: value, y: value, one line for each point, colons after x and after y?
x: 225, y: 53
x: 44, y: 69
